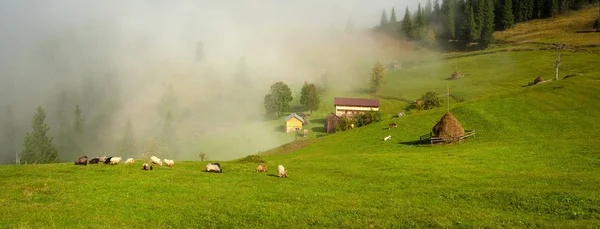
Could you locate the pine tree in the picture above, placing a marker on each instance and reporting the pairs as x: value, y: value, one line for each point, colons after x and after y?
x: 168, y: 133
x: 392, y: 22
x: 128, y: 142
x: 407, y: 27
x: 9, y: 141
x: 507, y: 18
x: 448, y: 6
x: 529, y: 9
x: 168, y: 102
x: 479, y: 13
x: 384, y: 20
x: 37, y: 146
x: 468, y: 25
x: 428, y: 13
x: 487, y: 31
x: 419, y: 26
x: 79, y: 137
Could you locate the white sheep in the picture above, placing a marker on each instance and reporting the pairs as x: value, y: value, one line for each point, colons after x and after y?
x: 155, y: 160
x: 169, y: 163
x: 387, y: 138
x: 281, y: 171
x: 115, y: 160
x: 129, y: 161
x: 213, y: 167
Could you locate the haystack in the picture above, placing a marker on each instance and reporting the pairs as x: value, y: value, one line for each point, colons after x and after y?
x: 537, y: 80
x: 456, y: 75
x: 448, y: 128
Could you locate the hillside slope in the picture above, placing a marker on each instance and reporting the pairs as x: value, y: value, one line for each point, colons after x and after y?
x: 533, y: 163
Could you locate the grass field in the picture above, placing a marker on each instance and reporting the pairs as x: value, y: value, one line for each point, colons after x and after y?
x: 559, y: 30
x: 534, y: 162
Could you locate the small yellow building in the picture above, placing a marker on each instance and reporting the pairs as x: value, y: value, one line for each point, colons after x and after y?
x: 293, y: 122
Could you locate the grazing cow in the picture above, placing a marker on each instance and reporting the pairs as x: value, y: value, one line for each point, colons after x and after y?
x: 155, y: 160
x: 129, y: 161
x: 261, y: 168
x: 146, y: 166
x: 213, y: 167
x: 169, y: 163
x: 115, y: 160
x: 102, y: 158
x: 387, y: 138
x: 82, y: 161
x: 281, y: 171
x: 94, y: 161
x: 107, y: 160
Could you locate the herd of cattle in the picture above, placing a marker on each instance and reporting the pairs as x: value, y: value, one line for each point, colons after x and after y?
x: 210, y: 167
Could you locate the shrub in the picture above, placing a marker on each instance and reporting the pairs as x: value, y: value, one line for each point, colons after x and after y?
x: 252, y: 159
x: 430, y: 100
x: 368, y: 118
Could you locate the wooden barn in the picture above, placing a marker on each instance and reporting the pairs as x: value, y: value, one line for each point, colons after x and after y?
x: 352, y: 106
x: 293, y: 122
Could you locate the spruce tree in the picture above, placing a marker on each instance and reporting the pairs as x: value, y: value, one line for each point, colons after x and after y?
x: 428, y: 13
x: 448, y: 6
x: 168, y: 133
x: 419, y: 26
x: 507, y: 18
x: 487, y: 30
x: 9, y: 140
x: 392, y: 23
x: 407, y: 27
x: 78, y: 131
x: 479, y: 13
x: 468, y: 25
x: 37, y: 145
x: 127, y: 146
x: 384, y: 20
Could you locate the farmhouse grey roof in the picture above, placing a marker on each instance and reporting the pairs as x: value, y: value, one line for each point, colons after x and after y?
x: 294, y: 115
x: 356, y: 102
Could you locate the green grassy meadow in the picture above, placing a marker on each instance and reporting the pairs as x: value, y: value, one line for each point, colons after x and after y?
x: 534, y: 162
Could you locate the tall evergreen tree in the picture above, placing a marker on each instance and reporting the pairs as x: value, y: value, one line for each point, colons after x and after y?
x: 127, y: 146
x: 428, y: 13
x: 168, y: 133
x: 479, y: 13
x: 37, y: 145
x: 487, y: 30
x: 78, y: 131
x: 393, y: 23
x: 419, y: 25
x: 469, y: 26
x: 448, y: 9
x: 507, y: 18
x: 407, y: 27
x: 9, y: 140
x: 529, y: 9
x: 384, y: 20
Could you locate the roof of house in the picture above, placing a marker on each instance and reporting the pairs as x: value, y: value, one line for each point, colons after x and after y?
x: 294, y: 115
x: 356, y: 102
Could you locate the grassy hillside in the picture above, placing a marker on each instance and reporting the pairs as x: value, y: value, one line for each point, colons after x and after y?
x: 533, y: 163
x: 558, y: 30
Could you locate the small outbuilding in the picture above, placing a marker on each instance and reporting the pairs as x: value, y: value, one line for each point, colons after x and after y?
x: 331, y: 122
x: 293, y: 122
